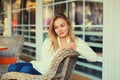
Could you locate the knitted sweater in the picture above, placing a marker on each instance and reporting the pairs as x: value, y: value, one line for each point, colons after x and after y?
x: 47, y: 54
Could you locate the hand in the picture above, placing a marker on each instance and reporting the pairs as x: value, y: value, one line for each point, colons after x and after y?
x: 70, y: 46
x: 67, y: 46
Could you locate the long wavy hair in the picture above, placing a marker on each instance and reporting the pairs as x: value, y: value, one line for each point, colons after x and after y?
x: 52, y: 34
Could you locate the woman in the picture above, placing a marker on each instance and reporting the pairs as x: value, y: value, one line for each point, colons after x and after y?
x: 60, y: 38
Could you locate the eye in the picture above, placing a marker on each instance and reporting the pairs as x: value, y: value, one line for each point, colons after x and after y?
x: 55, y: 27
x: 62, y: 25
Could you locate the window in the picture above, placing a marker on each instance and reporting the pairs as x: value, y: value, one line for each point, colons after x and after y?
x: 24, y: 23
x: 3, y: 17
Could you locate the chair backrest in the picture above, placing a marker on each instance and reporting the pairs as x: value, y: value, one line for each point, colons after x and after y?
x: 60, y: 69
x: 14, y: 45
x: 62, y: 66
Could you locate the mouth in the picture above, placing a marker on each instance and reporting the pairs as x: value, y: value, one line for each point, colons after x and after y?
x: 61, y: 33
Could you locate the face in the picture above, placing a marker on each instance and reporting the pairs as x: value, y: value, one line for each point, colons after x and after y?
x: 61, y: 27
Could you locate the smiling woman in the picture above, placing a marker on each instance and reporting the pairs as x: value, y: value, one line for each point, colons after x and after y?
x: 60, y: 38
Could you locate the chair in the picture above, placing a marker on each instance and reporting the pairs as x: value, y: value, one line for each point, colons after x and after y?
x: 60, y: 69
x: 11, y: 55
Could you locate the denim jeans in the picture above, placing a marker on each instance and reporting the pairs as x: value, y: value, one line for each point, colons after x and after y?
x: 23, y: 67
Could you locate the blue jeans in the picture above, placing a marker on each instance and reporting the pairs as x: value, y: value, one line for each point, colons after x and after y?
x: 23, y: 67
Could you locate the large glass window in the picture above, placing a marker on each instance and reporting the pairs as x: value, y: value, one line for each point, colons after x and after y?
x: 24, y: 23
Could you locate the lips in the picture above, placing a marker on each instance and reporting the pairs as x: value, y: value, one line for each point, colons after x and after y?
x: 61, y: 33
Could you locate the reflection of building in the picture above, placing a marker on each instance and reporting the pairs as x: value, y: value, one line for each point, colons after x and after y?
x: 6, y: 31
x: 79, y: 13
x: 47, y: 15
x: 94, y: 13
x: 71, y: 13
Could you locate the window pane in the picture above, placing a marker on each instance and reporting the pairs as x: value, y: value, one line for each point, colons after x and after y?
x: 16, y: 4
x: 47, y: 1
x: 29, y: 51
x: 30, y: 4
x: 60, y: 8
x: 76, y: 12
x: 87, y: 70
x: 15, y: 19
x: 3, y: 17
x: 59, y: 0
x: 78, y: 30
x: 1, y: 7
x: 1, y: 23
x: 93, y: 13
x: 26, y: 18
x: 32, y: 31
x: 32, y: 16
x: 48, y: 14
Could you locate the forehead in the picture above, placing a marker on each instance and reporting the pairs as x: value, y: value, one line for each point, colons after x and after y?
x: 59, y: 21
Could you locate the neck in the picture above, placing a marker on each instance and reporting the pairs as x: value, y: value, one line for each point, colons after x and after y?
x: 63, y: 40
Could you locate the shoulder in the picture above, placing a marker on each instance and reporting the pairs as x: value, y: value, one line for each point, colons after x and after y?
x: 79, y: 41
x: 47, y: 40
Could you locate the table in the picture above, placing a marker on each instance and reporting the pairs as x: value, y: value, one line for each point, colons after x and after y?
x: 3, y: 47
x: 6, y: 60
x: 2, y: 60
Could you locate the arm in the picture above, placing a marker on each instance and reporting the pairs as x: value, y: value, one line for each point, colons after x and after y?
x: 42, y: 64
x: 83, y: 48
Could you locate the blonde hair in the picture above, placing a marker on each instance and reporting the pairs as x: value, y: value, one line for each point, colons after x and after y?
x: 53, y: 36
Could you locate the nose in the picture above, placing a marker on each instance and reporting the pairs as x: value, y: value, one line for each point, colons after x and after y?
x: 59, y: 29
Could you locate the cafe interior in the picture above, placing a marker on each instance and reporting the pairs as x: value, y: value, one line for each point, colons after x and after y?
x: 24, y: 25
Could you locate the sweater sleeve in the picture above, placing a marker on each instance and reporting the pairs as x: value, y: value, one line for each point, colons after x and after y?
x: 43, y: 64
x: 45, y: 49
x: 85, y: 51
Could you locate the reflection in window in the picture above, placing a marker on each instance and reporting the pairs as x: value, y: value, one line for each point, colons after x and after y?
x: 96, y: 39
x: 1, y: 7
x: 59, y: 0
x: 1, y: 24
x: 15, y: 20
x: 78, y: 29
x: 71, y: 12
x: 79, y: 13
x: 23, y: 18
x: 23, y: 12
x: 93, y: 13
x: 48, y: 14
x: 29, y: 51
x: 47, y: 1
x: 76, y: 12
x: 3, y: 17
x: 16, y: 4
x: 93, y: 29
x: 60, y: 8
x: 87, y: 70
x: 32, y: 30
x: 27, y: 14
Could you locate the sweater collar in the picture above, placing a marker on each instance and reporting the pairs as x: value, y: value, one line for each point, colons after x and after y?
x: 59, y: 43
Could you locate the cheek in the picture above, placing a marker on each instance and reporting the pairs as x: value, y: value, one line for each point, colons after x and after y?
x: 66, y: 30
x: 56, y: 31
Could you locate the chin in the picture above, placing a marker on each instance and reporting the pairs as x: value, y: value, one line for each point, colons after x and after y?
x: 62, y: 36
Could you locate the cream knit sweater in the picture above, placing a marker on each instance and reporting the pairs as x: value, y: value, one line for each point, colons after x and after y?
x: 47, y: 54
